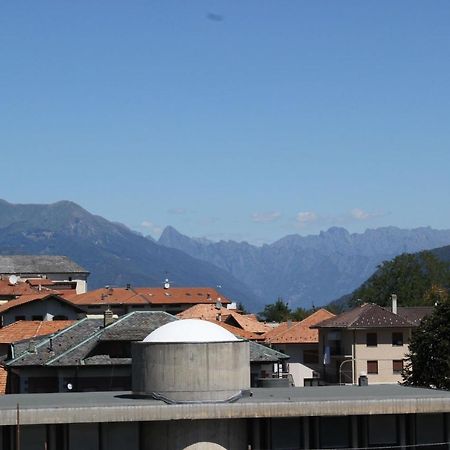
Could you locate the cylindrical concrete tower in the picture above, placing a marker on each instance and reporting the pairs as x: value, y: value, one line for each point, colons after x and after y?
x: 191, y: 361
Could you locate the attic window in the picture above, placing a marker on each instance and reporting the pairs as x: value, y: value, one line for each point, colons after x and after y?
x: 188, y: 293
x: 199, y: 293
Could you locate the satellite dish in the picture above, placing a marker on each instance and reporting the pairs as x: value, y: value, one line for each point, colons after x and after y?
x: 13, y: 279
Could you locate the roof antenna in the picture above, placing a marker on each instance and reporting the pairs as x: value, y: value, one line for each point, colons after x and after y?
x: 166, y: 281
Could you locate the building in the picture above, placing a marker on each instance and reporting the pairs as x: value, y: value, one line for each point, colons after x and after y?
x: 94, y: 355
x: 124, y: 300
x: 368, y: 340
x: 62, y: 271
x: 301, y: 343
x: 185, y: 396
x: 40, y: 306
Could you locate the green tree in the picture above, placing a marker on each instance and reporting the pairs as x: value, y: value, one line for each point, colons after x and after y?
x: 276, y: 312
x: 411, y: 276
x: 428, y: 363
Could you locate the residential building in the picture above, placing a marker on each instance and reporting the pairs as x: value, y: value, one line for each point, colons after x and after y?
x: 40, y: 306
x: 301, y: 343
x: 369, y: 340
x: 94, y: 355
x: 124, y: 300
x: 62, y: 271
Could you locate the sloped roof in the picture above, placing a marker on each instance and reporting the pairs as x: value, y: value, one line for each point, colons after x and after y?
x: 261, y: 353
x: 178, y: 295
x: 107, y: 296
x: 32, y: 264
x: 147, y: 295
x: 74, y: 344
x: 26, y: 329
x: 368, y: 315
x: 414, y: 314
x: 239, y: 331
x: 203, y: 311
x: 15, y: 290
x: 247, y: 323
x: 300, y: 332
x: 37, y: 296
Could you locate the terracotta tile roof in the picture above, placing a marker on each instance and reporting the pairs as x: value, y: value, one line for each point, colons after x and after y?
x: 180, y: 295
x: 247, y: 323
x: 238, y: 331
x: 15, y: 290
x: 368, y: 315
x: 204, y: 311
x: 139, y: 296
x: 106, y: 296
x: 3, y: 380
x: 279, y: 329
x: 40, y: 282
x: 300, y: 332
x: 26, y: 329
x: 28, y: 298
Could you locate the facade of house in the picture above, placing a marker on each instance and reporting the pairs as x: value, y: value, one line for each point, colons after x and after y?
x: 41, y: 306
x: 368, y: 340
x: 301, y: 343
x: 60, y: 270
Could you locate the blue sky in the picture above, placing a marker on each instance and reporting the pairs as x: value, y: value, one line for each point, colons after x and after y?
x: 244, y: 120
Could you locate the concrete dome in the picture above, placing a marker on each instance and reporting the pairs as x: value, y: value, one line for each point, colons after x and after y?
x: 190, y: 330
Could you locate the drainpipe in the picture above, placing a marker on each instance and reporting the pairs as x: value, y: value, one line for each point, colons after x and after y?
x: 354, y: 357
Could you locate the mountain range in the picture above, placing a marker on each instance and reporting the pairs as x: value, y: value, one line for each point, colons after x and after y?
x: 304, y: 270
x: 114, y: 254
x: 308, y: 270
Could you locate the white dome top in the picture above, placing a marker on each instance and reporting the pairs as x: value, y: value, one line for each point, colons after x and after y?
x: 190, y: 330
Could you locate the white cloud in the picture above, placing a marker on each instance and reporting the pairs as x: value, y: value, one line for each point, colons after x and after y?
x: 306, y: 217
x: 177, y: 211
x: 360, y: 214
x: 265, y: 217
x: 151, y: 227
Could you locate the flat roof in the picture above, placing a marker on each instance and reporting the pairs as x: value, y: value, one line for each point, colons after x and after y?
x: 92, y: 407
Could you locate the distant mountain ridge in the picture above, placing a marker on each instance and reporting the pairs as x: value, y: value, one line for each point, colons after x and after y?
x: 313, y: 269
x: 114, y: 254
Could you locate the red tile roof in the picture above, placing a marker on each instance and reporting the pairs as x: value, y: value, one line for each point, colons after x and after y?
x: 139, y: 296
x: 180, y: 295
x: 204, y: 311
x: 247, y: 323
x: 15, y: 290
x: 26, y: 329
x: 299, y: 332
x: 238, y: 331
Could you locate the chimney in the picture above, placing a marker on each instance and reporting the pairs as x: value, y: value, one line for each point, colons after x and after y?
x: 128, y: 286
x: 108, y: 317
x: 394, y: 303
x: 289, y: 323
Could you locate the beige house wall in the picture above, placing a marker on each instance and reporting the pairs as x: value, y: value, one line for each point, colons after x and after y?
x: 353, y: 345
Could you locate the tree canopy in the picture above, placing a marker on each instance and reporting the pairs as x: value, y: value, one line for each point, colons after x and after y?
x: 413, y: 277
x: 428, y: 363
x: 280, y: 312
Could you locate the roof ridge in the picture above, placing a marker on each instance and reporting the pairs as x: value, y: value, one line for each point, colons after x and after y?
x: 47, y: 340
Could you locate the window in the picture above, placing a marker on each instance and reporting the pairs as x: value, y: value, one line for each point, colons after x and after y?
x: 372, y: 367
x: 37, y: 317
x: 397, y: 339
x: 17, y: 318
x: 371, y: 340
x: 397, y: 365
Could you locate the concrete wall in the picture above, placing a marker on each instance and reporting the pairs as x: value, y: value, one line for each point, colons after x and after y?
x: 191, y: 371
x: 198, y: 435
